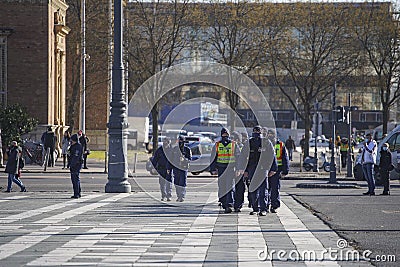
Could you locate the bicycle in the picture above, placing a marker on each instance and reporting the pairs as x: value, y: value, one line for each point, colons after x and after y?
x: 32, y: 152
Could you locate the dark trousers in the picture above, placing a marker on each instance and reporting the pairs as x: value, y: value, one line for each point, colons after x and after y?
x: 84, y: 160
x: 258, y: 198
x: 76, y: 183
x: 274, y: 184
x: 226, y: 177
x: 343, y: 158
x: 240, y: 188
x: 385, y: 181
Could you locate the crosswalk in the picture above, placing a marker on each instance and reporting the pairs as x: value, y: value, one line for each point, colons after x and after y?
x: 42, y: 229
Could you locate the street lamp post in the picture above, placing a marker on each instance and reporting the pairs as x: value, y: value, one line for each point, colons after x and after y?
x: 349, y: 150
x: 117, y: 156
x: 316, y: 106
x: 83, y: 67
x: 332, y: 171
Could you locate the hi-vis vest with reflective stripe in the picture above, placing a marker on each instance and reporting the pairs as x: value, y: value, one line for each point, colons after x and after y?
x: 344, y: 147
x: 278, y: 152
x: 225, y: 154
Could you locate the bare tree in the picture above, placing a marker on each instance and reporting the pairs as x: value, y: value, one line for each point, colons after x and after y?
x: 158, y: 35
x: 379, y: 34
x: 310, y: 51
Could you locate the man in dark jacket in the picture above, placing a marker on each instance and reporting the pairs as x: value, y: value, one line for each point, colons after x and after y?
x: 12, y: 167
x: 290, y: 146
x: 1, y: 152
x: 161, y: 162
x: 49, y: 142
x: 181, y: 156
x: 274, y: 183
x: 75, y: 165
x: 84, y: 140
x: 385, y: 166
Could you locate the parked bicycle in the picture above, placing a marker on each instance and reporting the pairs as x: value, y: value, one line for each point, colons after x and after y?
x: 32, y: 152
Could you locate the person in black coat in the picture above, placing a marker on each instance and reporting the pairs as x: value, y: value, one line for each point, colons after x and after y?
x: 75, y: 165
x: 385, y: 166
x: 13, y: 166
x: 49, y: 140
x: 161, y: 162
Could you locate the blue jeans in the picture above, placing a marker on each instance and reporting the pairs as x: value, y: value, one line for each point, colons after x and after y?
x: 76, y: 183
x: 258, y: 198
x: 12, y: 177
x: 290, y: 150
x: 368, y: 170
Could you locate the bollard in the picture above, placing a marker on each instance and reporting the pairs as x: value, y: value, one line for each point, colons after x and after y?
x: 134, y: 163
x: 340, y: 164
x: 105, y: 161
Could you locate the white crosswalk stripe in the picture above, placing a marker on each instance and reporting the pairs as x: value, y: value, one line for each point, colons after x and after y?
x: 13, y: 198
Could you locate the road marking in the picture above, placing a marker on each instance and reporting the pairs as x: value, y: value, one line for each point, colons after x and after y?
x: 196, y: 243
x: 302, y: 238
x: 251, y: 240
x: 13, y: 198
x: 31, y: 213
x: 26, y: 241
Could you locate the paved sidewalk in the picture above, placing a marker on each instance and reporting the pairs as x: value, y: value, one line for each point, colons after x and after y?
x: 46, y: 229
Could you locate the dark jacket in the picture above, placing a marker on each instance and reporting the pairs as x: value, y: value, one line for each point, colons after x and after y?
x: 48, y: 139
x: 385, y: 160
x: 290, y: 144
x: 161, y: 158
x: 257, y: 150
x: 214, y: 165
x: 83, y: 140
x: 75, y: 157
x: 13, y: 160
x: 181, y: 156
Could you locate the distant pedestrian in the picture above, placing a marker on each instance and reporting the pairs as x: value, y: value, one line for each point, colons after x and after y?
x: 84, y: 140
x: 1, y: 152
x: 161, y: 162
x: 368, y: 160
x: 290, y: 147
x: 344, y: 148
x: 75, y: 165
x: 13, y: 167
x: 303, y: 144
x: 181, y: 156
x: 385, y: 166
x: 66, y: 142
x: 49, y: 140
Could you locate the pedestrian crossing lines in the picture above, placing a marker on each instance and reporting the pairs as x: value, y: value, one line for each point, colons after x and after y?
x: 135, y: 230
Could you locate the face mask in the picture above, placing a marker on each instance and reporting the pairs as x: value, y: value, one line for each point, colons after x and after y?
x: 256, y: 134
x: 385, y: 148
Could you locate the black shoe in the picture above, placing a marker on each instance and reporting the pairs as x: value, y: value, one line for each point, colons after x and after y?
x: 253, y: 212
x: 228, y: 210
x: 23, y: 189
x: 74, y: 196
x: 372, y: 194
x: 7, y: 191
x: 238, y: 210
x: 262, y: 213
x: 273, y: 210
x: 85, y: 167
x: 385, y: 194
x: 366, y: 194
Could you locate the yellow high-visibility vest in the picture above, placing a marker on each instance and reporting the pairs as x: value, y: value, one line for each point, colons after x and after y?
x: 278, y: 153
x: 225, y: 154
x: 344, y: 147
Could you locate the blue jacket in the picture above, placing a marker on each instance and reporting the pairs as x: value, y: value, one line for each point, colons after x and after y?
x: 75, y: 157
x: 161, y: 158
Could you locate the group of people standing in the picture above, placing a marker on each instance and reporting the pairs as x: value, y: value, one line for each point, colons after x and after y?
x: 257, y: 163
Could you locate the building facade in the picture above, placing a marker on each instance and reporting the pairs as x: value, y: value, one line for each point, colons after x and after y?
x: 33, y: 60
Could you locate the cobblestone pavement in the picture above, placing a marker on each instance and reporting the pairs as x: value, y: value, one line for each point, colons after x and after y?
x: 99, y: 229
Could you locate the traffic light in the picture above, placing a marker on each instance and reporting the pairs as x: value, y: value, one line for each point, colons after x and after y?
x: 341, y: 114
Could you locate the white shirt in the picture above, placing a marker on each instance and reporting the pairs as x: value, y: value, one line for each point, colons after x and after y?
x: 369, y: 152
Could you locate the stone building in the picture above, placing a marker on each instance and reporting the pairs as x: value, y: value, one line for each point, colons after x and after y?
x: 33, y: 60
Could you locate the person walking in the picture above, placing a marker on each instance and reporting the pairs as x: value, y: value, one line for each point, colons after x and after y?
x: 303, y: 145
x: 49, y: 142
x: 274, y: 183
x: 1, y: 152
x: 224, y: 157
x: 368, y: 160
x: 290, y: 147
x: 181, y: 156
x: 240, y: 185
x: 66, y: 142
x: 84, y: 140
x: 13, y: 167
x: 75, y: 165
x: 385, y: 166
x: 161, y: 162
x: 257, y: 161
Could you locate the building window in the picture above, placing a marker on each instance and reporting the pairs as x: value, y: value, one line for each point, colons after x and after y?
x: 3, y: 71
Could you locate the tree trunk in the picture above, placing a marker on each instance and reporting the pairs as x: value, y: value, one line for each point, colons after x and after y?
x: 307, y: 128
x: 385, y: 113
x: 154, y: 116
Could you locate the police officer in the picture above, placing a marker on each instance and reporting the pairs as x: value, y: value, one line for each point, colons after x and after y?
x: 344, y: 148
x: 161, y: 162
x: 181, y: 156
x: 282, y: 160
x: 224, y: 159
x: 75, y: 164
x: 258, y: 161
